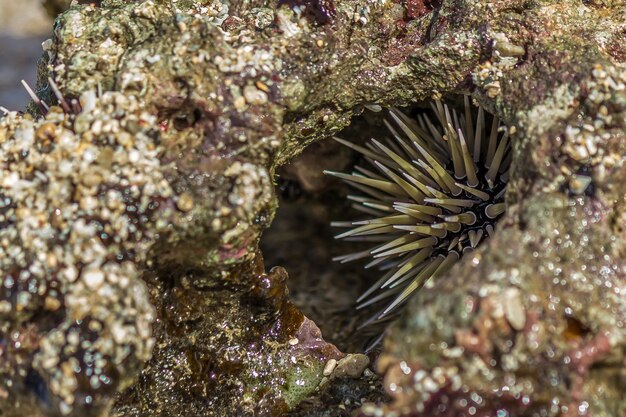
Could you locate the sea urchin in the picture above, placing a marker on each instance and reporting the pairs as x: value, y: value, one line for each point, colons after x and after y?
x: 433, y: 193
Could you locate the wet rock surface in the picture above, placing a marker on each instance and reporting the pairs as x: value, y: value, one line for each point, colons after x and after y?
x: 131, y: 213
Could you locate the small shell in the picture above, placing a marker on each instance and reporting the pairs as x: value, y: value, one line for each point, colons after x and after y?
x: 514, y: 310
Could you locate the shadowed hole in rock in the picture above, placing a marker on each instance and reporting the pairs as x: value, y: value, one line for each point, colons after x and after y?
x: 302, y: 240
x: 575, y: 330
x: 468, y: 203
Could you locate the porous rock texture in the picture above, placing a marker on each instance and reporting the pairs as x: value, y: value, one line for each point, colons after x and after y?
x: 132, y: 280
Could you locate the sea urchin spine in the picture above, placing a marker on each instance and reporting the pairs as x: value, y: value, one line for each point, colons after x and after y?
x: 433, y: 193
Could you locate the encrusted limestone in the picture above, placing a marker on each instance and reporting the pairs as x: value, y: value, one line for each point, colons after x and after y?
x: 129, y: 231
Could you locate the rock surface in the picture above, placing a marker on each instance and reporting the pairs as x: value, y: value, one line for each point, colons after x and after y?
x: 131, y: 213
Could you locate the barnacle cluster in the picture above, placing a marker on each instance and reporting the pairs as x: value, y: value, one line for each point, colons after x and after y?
x: 78, y: 190
x: 433, y: 192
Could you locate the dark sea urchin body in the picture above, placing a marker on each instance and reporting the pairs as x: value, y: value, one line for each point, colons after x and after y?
x: 433, y: 193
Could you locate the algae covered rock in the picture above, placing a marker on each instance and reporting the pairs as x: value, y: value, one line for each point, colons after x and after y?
x: 93, y: 233
x: 131, y: 213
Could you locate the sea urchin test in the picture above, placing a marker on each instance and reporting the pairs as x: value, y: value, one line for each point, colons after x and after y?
x: 433, y: 191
